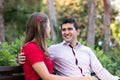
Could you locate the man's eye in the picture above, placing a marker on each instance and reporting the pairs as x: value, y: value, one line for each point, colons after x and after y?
x: 70, y: 28
x: 63, y: 29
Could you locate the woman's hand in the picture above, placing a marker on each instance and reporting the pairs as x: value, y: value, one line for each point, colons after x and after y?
x: 88, y: 78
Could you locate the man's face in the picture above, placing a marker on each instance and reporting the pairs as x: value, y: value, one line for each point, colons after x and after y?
x: 69, y: 33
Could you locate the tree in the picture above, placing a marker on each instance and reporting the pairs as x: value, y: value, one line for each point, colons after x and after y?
x: 2, y: 35
x: 16, y: 15
x: 91, y: 23
x: 107, y: 12
x: 52, y: 16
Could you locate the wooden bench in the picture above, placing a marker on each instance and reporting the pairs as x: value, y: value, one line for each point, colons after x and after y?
x: 11, y: 73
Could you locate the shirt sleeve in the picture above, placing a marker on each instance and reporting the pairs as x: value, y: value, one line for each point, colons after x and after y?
x: 100, y: 71
x: 33, y: 54
x: 52, y: 51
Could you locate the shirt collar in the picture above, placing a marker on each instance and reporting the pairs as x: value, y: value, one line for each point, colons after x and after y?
x: 67, y: 43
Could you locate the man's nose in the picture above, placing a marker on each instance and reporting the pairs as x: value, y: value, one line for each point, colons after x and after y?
x: 66, y: 31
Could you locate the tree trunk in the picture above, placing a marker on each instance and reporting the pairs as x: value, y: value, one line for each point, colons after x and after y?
x: 2, y: 34
x: 53, y: 19
x: 107, y: 12
x: 91, y: 23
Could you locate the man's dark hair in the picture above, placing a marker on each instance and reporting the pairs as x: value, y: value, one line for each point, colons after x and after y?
x: 70, y: 20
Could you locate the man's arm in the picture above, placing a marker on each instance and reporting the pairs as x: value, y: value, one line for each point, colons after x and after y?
x: 99, y: 70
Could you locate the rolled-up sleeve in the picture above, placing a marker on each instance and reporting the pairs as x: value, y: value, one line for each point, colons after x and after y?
x: 99, y: 70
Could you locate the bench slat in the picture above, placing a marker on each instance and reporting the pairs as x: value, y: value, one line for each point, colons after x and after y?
x: 11, y: 73
x: 21, y: 77
x: 11, y: 69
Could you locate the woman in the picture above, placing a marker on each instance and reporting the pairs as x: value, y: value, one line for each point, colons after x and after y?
x: 38, y: 65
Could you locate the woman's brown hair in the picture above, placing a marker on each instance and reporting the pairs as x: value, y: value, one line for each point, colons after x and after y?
x: 35, y: 29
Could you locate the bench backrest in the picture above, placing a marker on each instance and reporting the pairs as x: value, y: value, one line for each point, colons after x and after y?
x: 11, y: 73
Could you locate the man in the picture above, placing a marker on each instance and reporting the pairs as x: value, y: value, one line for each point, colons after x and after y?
x: 72, y: 58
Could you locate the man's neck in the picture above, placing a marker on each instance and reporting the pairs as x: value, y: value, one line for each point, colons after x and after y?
x: 73, y: 44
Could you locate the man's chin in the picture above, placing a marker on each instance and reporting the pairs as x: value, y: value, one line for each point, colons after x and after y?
x: 68, y: 41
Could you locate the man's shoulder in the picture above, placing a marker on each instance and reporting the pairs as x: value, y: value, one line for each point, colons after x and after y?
x: 55, y: 45
x: 84, y: 47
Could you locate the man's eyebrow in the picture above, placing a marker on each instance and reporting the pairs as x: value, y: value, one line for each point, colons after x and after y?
x: 70, y: 28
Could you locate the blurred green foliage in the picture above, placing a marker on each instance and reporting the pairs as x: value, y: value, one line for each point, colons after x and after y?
x: 9, y: 52
x: 16, y: 14
x: 116, y: 31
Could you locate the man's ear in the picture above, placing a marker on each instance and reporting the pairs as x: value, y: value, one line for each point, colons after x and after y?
x: 78, y: 32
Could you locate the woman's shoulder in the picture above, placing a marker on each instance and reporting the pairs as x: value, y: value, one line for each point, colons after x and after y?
x: 30, y: 45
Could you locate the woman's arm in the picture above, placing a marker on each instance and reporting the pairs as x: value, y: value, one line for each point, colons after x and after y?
x: 42, y: 71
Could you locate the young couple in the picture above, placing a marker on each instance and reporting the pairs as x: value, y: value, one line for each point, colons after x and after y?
x: 72, y: 60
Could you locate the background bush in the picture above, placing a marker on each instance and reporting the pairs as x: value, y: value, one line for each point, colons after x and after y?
x: 9, y: 52
x: 110, y: 60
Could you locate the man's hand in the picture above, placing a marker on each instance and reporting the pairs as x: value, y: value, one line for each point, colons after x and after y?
x: 21, y: 58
